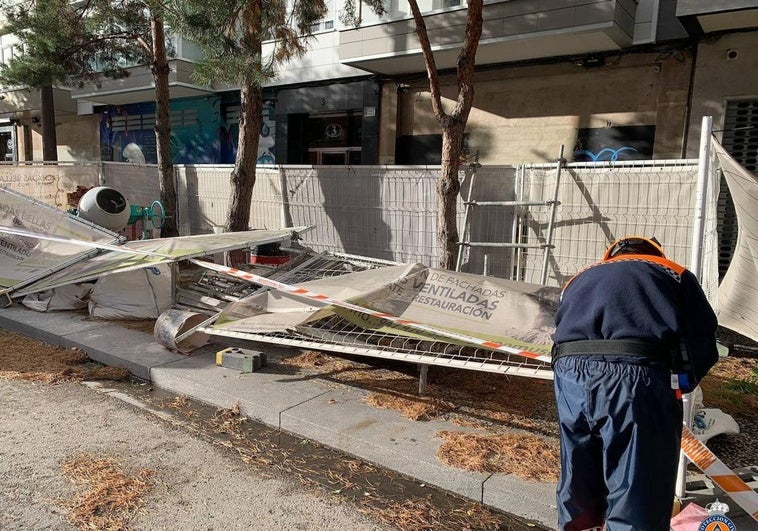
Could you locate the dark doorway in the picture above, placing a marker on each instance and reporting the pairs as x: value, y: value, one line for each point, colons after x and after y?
x: 297, y: 141
x: 7, y: 148
x: 333, y: 139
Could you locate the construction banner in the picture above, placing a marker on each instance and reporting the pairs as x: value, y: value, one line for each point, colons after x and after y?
x: 406, y: 300
x: 24, y: 258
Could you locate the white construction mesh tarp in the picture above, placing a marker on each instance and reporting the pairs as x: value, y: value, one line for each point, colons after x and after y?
x: 390, y: 212
x: 599, y: 203
x: 436, y: 317
x: 738, y: 292
x: 135, y: 255
x: 24, y: 258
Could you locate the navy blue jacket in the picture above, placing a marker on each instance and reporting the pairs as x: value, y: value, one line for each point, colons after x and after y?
x: 644, y: 298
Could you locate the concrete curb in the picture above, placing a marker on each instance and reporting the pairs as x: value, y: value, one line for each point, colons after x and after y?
x: 331, y: 414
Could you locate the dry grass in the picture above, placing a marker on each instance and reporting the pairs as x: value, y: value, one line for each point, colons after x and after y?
x: 732, y: 386
x: 311, y: 359
x: 112, y: 496
x: 141, y: 325
x: 420, y: 515
x: 527, y: 456
x: 412, y: 407
x: 25, y: 359
x: 230, y: 421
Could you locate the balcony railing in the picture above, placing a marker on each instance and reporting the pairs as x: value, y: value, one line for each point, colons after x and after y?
x: 513, y: 30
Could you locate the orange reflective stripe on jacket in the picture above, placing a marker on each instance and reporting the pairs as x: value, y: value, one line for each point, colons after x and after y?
x: 665, y: 263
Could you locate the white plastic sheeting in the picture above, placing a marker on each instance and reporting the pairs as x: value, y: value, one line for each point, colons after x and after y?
x: 71, y: 297
x: 738, y: 292
x: 141, y: 294
x: 146, y: 253
x: 23, y: 258
x: 512, y: 313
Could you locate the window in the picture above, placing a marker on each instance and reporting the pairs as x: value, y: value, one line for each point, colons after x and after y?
x: 326, y: 23
x: 443, y: 4
x: 10, y: 53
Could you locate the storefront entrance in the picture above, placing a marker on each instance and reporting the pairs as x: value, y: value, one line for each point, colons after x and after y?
x: 7, y: 143
x: 334, y: 139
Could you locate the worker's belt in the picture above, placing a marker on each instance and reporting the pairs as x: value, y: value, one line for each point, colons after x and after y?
x: 613, y: 347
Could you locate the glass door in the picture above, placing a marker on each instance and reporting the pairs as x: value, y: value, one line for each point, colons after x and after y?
x: 334, y: 138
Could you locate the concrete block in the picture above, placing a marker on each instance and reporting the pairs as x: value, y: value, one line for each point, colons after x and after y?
x: 240, y: 359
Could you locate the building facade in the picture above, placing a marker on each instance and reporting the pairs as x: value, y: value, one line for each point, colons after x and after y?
x: 606, y: 79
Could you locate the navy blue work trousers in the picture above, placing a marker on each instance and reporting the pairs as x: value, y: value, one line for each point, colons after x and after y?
x: 620, y: 434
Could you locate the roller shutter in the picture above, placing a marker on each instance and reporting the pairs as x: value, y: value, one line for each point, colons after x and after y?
x: 740, y: 139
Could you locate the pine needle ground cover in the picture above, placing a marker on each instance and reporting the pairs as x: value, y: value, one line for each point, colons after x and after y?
x: 509, y: 424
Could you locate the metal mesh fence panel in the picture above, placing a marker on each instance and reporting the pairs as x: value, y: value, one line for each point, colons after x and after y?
x: 204, y: 192
x: 48, y: 182
x: 269, y: 206
x: 390, y: 212
x: 139, y: 183
x: 599, y: 203
x: 203, y: 197
x: 384, y: 213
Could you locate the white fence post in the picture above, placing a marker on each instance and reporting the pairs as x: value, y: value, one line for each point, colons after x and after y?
x: 696, y: 257
x: 696, y: 263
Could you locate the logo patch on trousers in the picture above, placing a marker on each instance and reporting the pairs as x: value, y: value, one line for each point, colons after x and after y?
x: 717, y: 522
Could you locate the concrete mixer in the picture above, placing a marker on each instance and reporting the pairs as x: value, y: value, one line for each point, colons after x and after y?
x: 109, y: 208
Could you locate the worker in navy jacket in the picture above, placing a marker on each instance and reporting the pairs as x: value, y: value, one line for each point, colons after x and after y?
x: 623, y: 327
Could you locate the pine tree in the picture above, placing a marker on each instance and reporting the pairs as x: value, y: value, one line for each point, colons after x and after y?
x: 77, y: 43
x: 142, y: 27
x: 231, y: 34
x: 453, y: 123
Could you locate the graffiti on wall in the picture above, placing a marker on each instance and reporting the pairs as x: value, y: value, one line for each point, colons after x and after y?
x: 200, y: 133
x: 633, y: 142
x: 228, y: 134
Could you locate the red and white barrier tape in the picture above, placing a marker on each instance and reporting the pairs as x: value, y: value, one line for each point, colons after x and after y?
x: 720, y: 474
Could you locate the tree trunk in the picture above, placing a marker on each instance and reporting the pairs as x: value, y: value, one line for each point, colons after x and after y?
x: 160, y: 70
x: 448, y: 187
x: 250, y: 125
x: 453, y: 124
x: 47, y: 121
x: 243, y: 175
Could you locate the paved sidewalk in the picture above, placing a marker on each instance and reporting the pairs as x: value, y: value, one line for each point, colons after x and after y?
x: 334, y: 415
